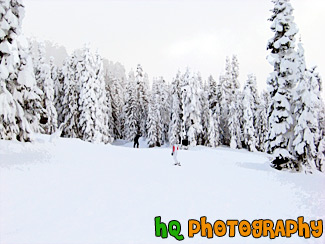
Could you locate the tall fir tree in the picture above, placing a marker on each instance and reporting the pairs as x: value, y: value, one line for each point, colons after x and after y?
x: 104, y: 111
x: 57, y: 77
x: 204, y: 108
x: 280, y: 84
x: 70, y: 101
x: 175, y: 113
x: 262, y: 122
x: 306, y: 131
x: 248, y: 102
x: 213, y: 129
x: 87, y: 97
x: 164, y: 108
x: 212, y: 90
x: 13, y: 121
x: 30, y: 98
x: 130, y: 109
x: 116, y: 91
x: 45, y: 83
x: 191, y: 120
x: 233, y: 96
x: 50, y: 110
x: 154, y: 120
x: 141, y: 86
x: 224, y: 110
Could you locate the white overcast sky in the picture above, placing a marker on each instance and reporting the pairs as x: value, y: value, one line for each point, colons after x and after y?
x: 167, y: 35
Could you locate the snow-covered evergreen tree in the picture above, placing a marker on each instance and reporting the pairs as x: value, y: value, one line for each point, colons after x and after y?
x: 57, y: 77
x: 215, y: 98
x: 131, y: 113
x: 93, y: 103
x: 50, y: 110
x: 204, y: 108
x: 213, y: 129
x: 70, y: 101
x: 141, y: 86
x: 234, y: 125
x: 30, y: 98
x: 248, y: 114
x: 163, y: 103
x: 116, y: 91
x: 224, y: 110
x: 13, y: 122
x: 306, y: 131
x: 39, y: 62
x: 191, y: 121
x: 280, y: 84
x: 104, y: 115
x: 115, y: 78
x: 262, y: 122
x: 43, y: 75
x: 266, y: 97
x: 154, y: 120
x: 152, y: 123
x: 231, y: 112
x: 175, y: 114
x: 212, y: 91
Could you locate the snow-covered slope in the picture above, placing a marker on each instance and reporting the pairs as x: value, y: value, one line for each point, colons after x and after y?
x: 68, y: 191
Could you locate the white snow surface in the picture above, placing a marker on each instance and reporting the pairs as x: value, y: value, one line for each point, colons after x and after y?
x: 69, y: 191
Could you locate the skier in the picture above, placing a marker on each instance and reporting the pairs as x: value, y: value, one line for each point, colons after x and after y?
x: 174, y: 154
x: 136, y: 141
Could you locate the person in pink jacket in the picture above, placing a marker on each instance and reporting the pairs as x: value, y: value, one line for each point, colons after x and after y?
x: 174, y: 154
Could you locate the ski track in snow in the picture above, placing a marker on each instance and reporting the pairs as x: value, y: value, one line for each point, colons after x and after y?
x: 69, y: 191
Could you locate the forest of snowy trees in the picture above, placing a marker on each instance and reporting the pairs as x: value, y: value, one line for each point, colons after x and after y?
x: 94, y: 100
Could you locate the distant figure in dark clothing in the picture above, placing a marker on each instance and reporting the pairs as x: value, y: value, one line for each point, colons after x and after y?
x: 136, y: 141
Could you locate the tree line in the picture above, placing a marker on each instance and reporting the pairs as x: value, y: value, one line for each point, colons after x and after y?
x: 95, y: 101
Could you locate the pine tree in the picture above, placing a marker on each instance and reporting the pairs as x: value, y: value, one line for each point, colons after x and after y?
x: 104, y: 123
x: 213, y: 129
x: 224, y: 110
x: 116, y: 91
x: 154, y: 120
x: 87, y: 99
x: 131, y: 110
x: 204, y: 108
x: 212, y: 91
x: 248, y: 114
x: 30, y: 98
x: 52, y: 116
x: 234, y: 125
x: 13, y: 122
x: 229, y: 94
x: 281, y: 83
x: 94, y: 107
x: 46, y: 85
x: 70, y: 104
x: 57, y: 77
x: 163, y: 103
x: 141, y: 86
x: 191, y: 122
x: 306, y: 131
x: 152, y: 123
x: 175, y: 113
x: 214, y: 100
x: 232, y: 95
x: 262, y: 122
